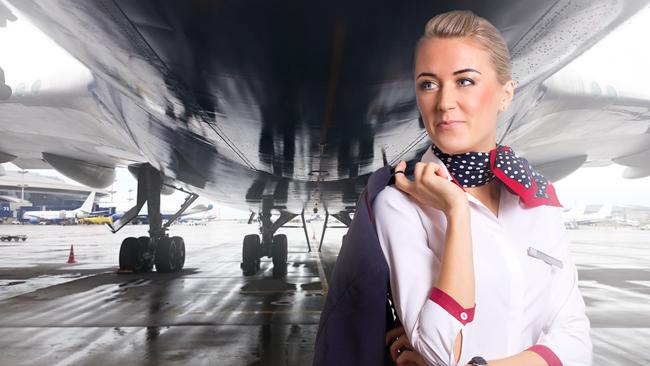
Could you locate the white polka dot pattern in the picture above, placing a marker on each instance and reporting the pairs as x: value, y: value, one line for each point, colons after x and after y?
x: 473, y: 174
x: 473, y: 169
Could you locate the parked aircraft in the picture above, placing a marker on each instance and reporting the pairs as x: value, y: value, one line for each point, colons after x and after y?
x: 574, y: 218
x: 626, y: 222
x: 83, y: 211
x: 286, y: 106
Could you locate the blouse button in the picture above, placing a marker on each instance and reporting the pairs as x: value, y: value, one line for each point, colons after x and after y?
x: 463, y: 315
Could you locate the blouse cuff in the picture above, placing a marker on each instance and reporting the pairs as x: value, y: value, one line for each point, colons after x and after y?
x: 452, y: 306
x: 546, y: 353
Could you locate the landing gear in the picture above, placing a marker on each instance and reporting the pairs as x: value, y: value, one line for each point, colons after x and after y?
x: 140, y: 254
x: 180, y: 247
x: 147, y: 253
x: 267, y: 244
x: 279, y: 253
x: 129, y: 254
x: 251, y: 255
x: 136, y: 254
x: 166, y: 255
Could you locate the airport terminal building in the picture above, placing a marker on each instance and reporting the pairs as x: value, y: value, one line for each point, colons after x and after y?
x: 26, y: 191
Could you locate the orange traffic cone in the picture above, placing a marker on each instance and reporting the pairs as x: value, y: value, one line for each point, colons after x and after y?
x: 71, y: 256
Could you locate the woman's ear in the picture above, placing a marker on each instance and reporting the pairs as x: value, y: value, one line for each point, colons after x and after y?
x: 508, y: 93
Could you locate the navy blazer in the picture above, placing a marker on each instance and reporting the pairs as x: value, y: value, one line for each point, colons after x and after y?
x: 357, y: 313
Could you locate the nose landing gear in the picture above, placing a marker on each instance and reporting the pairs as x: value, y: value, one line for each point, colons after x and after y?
x: 267, y: 244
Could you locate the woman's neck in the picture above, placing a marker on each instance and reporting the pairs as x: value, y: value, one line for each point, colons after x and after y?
x: 489, y: 194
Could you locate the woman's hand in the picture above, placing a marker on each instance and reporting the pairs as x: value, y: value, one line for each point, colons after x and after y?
x: 401, y: 350
x: 431, y: 186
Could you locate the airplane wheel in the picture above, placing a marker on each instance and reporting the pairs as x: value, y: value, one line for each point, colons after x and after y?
x: 250, y: 255
x: 129, y: 251
x: 279, y: 253
x: 166, y: 255
x: 146, y: 253
x: 180, y: 247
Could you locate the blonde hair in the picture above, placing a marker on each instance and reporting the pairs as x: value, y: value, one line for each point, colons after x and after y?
x: 464, y: 23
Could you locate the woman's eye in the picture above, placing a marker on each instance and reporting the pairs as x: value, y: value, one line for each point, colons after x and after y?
x: 428, y: 85
x: 465, y: 82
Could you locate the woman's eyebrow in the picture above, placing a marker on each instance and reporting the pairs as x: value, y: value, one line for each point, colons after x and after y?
x: 430, y: 74
x: 466, y: 70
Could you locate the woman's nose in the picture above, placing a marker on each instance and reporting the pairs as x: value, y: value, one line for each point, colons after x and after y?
x: 446, y: 99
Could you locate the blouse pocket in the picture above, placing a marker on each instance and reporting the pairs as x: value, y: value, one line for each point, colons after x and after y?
x: 541, y: 269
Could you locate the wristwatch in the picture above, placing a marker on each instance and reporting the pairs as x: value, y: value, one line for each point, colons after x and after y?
x: 478, y: 360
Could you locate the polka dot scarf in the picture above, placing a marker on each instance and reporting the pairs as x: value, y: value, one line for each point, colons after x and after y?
x: 473, y: 169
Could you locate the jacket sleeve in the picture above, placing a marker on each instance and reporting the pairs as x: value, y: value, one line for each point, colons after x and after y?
x: 431, y: 318
x: 565, y: 338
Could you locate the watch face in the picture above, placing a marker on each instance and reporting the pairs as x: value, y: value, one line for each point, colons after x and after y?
x: 478, y: 361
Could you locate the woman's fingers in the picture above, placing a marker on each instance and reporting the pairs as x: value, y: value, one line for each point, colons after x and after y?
x: 408, y: 358
x: 425, y: 186
x: 429, y: 169
x: 401, y: 166
x: 429, y: 178
x: 441, y: 172
x: 401, y: 342
x: 401, y: 182
x: 419, y: 169
x: 395, y: 332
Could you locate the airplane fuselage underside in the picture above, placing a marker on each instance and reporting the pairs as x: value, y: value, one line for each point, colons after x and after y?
x: 245, y: 99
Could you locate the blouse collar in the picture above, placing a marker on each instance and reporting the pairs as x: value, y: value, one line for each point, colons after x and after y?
x: 430, y: 157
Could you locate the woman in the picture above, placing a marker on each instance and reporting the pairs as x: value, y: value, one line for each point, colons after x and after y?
x: 478, y: 258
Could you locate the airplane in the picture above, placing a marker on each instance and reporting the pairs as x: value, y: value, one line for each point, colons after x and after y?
x: 285, y: 107
x: 35, y: 217
x: 202, y: 218
x: 626, y: 222
x: 577, y: 210
x: 574, y: 218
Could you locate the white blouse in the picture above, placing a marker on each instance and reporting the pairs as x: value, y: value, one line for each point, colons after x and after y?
x: 527, y: 294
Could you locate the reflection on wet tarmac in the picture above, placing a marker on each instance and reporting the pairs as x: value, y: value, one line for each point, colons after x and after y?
x: 56, y: 313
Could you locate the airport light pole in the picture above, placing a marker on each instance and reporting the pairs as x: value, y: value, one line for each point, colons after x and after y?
x: 112, y: 191
x: 22, y: 191
x: 23, y: 185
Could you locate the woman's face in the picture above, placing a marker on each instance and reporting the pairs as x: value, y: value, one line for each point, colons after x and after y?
x: 458, y: 94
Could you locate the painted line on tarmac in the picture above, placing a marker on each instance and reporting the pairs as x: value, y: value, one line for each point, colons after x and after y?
x: 321, y: 274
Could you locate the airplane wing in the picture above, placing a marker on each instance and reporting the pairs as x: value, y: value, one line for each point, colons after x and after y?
x: 49, y: 118
x: 245, y: 100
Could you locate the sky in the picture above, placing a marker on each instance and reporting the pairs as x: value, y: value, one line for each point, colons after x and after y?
x: 615, y: 58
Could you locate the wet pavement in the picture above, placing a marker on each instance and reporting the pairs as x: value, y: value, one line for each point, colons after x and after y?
x: 53, y: 313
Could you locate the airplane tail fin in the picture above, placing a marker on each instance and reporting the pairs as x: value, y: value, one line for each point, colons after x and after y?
x: 87, y: 206
x: 605, y: 210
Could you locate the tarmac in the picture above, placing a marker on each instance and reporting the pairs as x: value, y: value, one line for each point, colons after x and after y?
x: 55, y: 313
